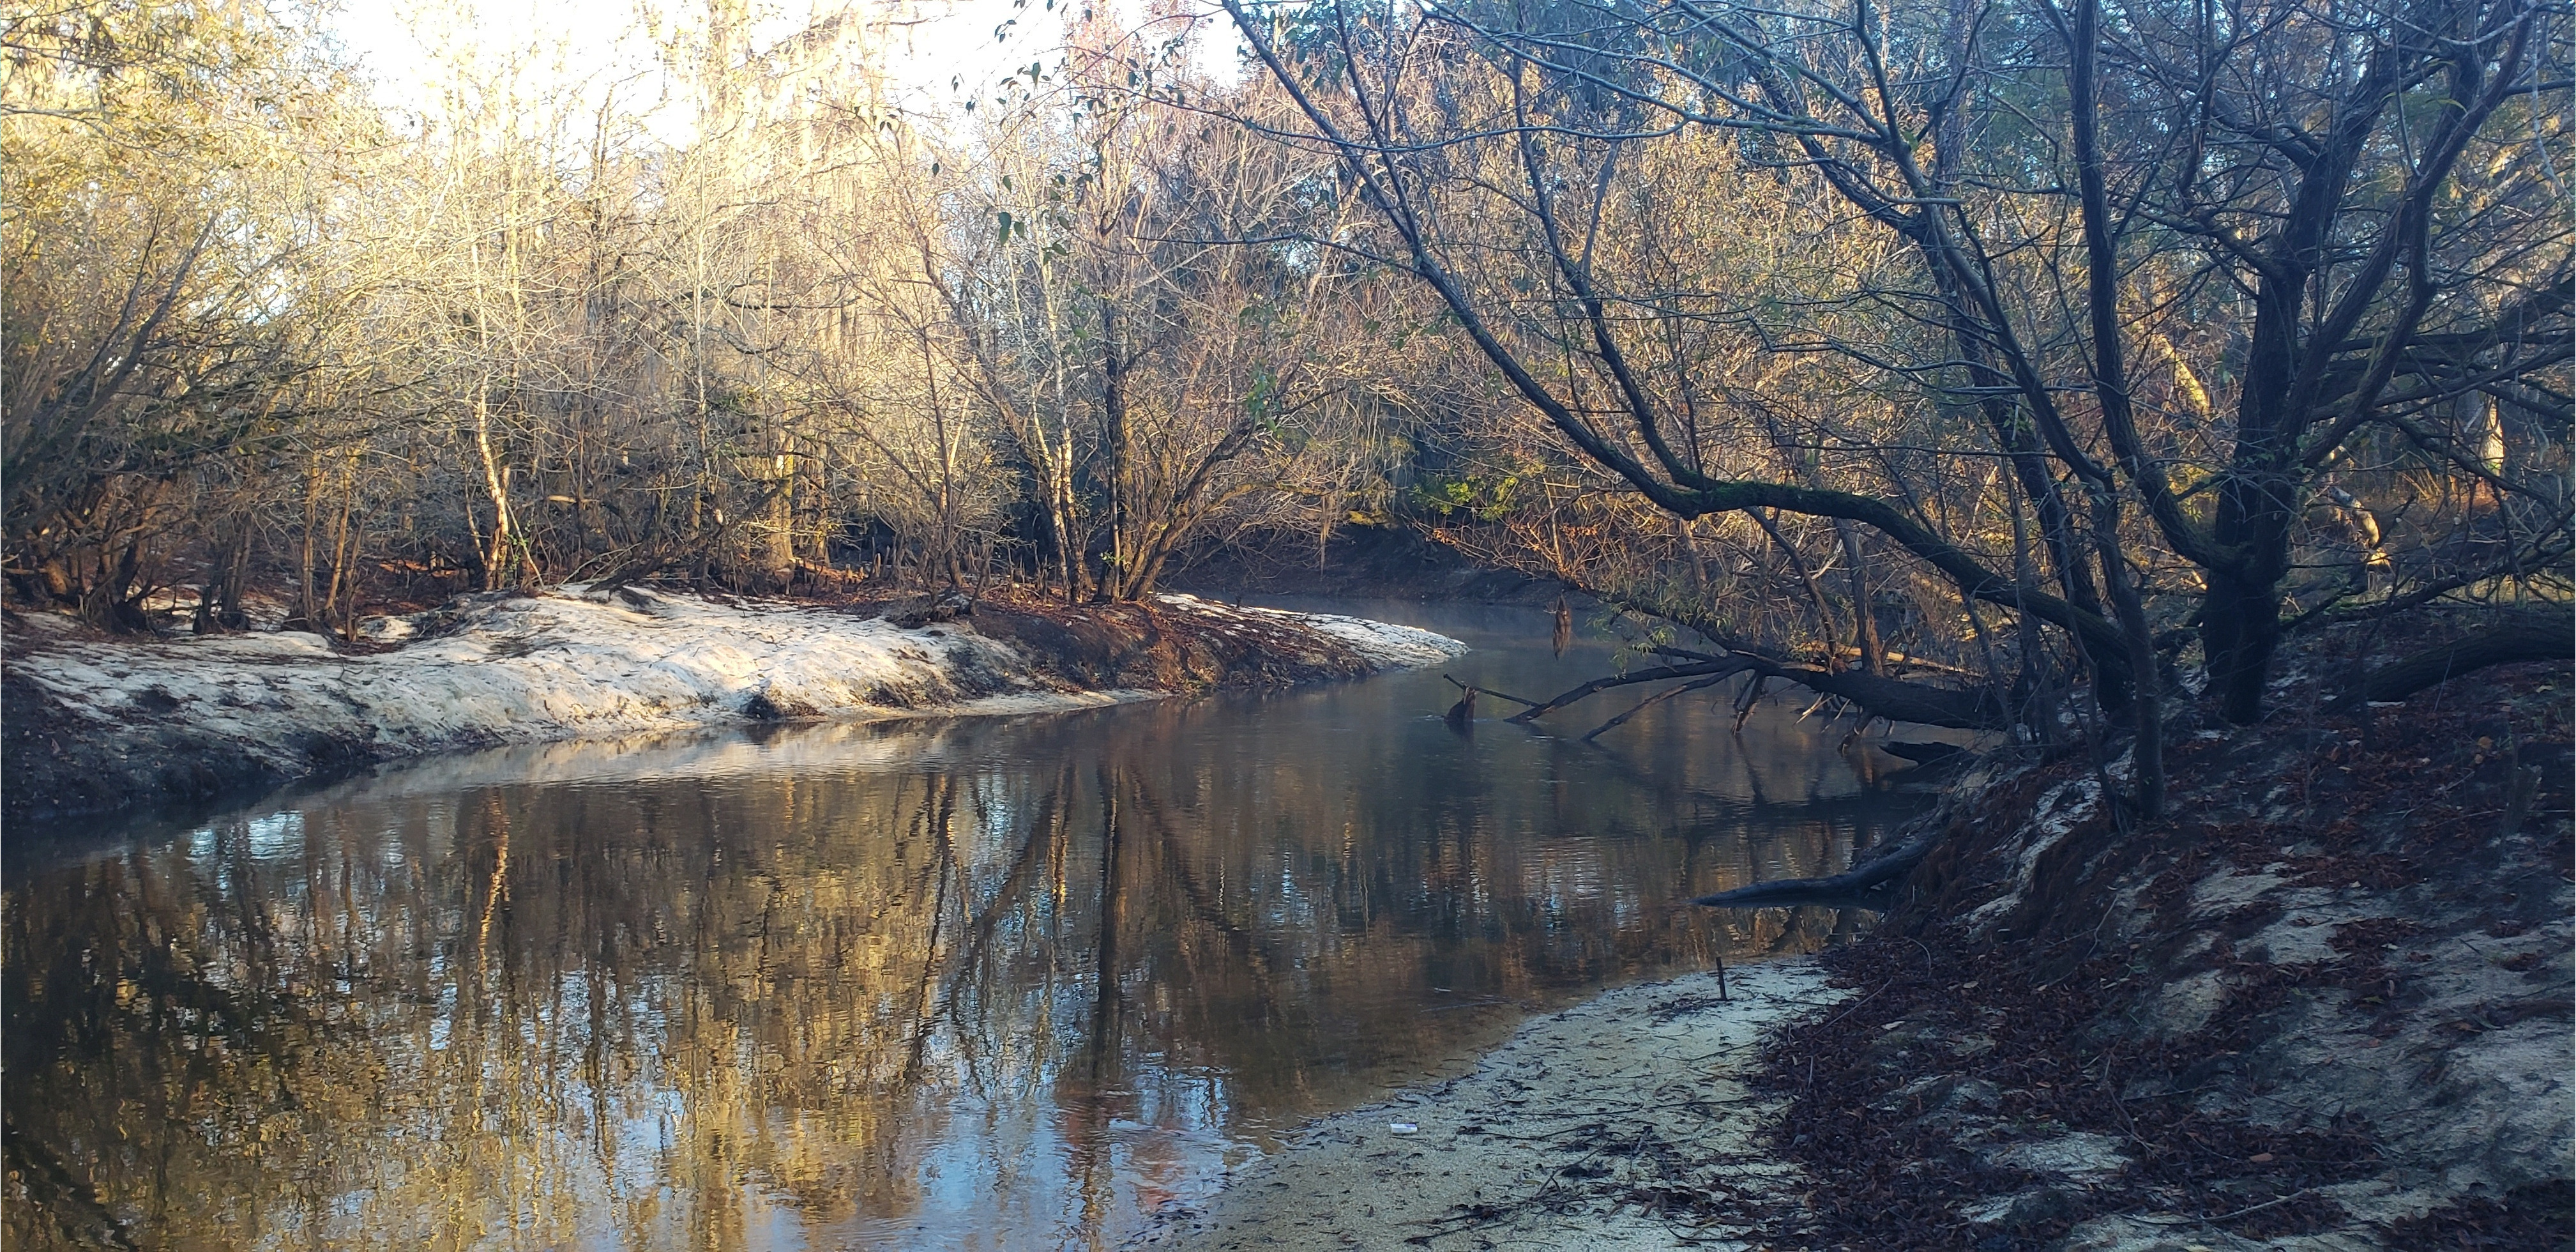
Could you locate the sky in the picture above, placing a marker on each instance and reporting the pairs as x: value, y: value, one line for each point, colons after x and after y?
x: 945, y: 50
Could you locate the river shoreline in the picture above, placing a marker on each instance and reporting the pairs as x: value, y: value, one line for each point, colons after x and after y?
x: 99, y: 724
x: 1626, y: 1121
x: 2324, y: 1004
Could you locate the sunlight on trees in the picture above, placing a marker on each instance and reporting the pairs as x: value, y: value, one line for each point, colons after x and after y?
x: 2010, y: 360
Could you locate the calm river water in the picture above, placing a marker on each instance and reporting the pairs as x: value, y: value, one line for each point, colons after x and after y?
x: 998, y: 983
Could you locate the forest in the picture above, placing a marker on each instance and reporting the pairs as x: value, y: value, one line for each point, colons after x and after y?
x: 2142, y: 428
x: 1973, y: 363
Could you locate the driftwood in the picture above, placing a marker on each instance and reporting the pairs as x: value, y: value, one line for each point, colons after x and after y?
x: 1873, y: 884
x: 2529, y: 638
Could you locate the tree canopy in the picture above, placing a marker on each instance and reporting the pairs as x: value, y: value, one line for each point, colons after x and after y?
x: 1953, y: 358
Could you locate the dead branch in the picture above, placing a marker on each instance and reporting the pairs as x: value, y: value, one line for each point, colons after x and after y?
x: 1722, y: 668
x: 1653, y: 700
x: 1499, y: 695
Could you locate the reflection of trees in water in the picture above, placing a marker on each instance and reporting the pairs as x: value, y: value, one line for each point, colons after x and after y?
x: 683, y: 1010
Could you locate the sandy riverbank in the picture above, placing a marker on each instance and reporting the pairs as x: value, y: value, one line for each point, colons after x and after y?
x: 1623, y: 1122
x: 2323, y: 1004
x: 98, y: 723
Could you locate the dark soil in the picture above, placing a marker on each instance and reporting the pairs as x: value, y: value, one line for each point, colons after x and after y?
x: 54, y: 763
x: 2329, y: 992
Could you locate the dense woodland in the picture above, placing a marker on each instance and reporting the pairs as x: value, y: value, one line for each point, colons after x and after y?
x: 1989, y: 363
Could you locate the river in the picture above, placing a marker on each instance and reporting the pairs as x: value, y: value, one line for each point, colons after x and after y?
x: 954, y: 984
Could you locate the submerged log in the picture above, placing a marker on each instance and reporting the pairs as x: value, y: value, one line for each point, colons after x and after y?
x: 1922, y: 753
x: 1462, y: 715
x: 1499, y: 695
x: 1873, y: 884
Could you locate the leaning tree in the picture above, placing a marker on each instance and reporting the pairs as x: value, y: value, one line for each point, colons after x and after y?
x: 2192, y: 272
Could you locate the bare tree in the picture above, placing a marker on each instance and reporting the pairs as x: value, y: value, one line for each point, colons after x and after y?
x: 2191, y: 171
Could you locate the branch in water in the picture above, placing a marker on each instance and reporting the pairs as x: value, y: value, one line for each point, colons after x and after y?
x: 1892, y: 698
x: 1720, y: 669
x: 1499, y: 695
x: 1871, y: 885
x: 1653, y: 700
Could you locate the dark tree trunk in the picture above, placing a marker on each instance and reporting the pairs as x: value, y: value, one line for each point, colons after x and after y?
x: 1113, y: 413
x: 1873, y: 654
x: 2240, y: 626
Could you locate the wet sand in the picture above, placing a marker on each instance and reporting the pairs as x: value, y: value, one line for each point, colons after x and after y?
x: 1620, y: 1123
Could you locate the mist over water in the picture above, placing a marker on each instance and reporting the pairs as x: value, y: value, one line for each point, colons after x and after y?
x: 993, y: 983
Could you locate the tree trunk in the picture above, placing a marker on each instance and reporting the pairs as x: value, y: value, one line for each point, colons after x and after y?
x: 782, y: 520
x: 2146, y: 703
x: 1113, y: 409
x: 308, y: 608
x: 1873, y: 653
x: 2240, y: 625
x: 343, y: 558
x: 497, y: 565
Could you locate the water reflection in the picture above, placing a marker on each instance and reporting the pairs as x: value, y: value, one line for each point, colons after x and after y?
x: 979, y: 984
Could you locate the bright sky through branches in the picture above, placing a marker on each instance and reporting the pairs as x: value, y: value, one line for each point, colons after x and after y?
x: 941, y: 53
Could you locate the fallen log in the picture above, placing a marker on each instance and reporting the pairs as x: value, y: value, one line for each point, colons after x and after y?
x: 1890, y: 698
x: 1873, y: 884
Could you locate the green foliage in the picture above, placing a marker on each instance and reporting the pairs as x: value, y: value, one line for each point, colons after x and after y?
x: 1485, y: 498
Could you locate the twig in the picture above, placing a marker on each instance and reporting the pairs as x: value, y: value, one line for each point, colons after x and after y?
x: 2229, y: 1217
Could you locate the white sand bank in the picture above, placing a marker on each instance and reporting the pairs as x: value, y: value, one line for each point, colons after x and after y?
x: 1621, y: 1123
x: 567, y: 664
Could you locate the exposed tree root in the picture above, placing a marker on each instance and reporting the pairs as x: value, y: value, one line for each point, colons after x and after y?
x: 2533, y: 637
